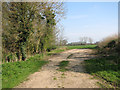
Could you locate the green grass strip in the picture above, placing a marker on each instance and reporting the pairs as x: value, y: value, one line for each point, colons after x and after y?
x: 15, y: 72
x: 105, y: 68
x: 63, y: 65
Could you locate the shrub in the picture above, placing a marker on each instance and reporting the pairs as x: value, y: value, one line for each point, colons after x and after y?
x: 51, y: 48
x: 108, y: 45
x: 107, y: 40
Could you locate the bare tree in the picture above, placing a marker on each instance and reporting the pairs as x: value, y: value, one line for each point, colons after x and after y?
x: 90, y: 40
x: 85, y: 40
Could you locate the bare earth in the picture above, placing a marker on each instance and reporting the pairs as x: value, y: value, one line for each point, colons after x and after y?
x: 76, y: 77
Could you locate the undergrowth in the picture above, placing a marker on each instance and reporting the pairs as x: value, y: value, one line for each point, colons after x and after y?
x: 106, y: 68
x: 14, y: 73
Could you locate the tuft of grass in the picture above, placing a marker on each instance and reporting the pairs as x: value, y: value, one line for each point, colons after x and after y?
x: 69, y: 56
x: 14, y: 73
x: 63, y: 65
x: 62, y: 75
x: 101, y: 85
x: 54, y: 78
x: 105, y: 68
x: 82, y: 47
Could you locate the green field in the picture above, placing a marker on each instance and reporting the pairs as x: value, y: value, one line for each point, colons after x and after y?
x: 106, y: 68
x: 82, y: 47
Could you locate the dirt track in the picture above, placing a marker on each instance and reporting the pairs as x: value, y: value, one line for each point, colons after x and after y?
x: 76, y: 77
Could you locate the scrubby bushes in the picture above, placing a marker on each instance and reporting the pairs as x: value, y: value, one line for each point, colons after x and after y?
x: 108, y: 45
x: 106, y: 40
x: 106, y: 67
x: 29, y: 28
x: 51, y: 48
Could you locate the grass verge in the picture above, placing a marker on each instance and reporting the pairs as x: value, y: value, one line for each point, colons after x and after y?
x: 63, y: 65
x: 82, y: 47
x: 105, y: 68
x: 56, y: 51
x: 14, y: 73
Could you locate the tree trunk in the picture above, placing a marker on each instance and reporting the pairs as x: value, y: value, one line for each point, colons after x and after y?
x: 23, y: 51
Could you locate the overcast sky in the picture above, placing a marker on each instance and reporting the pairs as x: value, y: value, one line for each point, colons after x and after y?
x: 93, y: 19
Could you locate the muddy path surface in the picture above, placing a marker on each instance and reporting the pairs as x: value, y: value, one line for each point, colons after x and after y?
x: 75, y: 77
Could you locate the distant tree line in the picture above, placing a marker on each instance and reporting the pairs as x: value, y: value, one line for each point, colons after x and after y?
x: 83, y: 41
x: 29, y: 28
